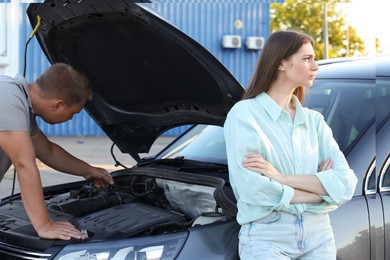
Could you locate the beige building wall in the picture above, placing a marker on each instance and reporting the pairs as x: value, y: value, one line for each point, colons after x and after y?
x: 9, y: 35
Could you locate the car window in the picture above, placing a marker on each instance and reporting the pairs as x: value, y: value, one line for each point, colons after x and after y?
x: 348, y: 107
x: 386, y: 176
x: 201, y: 143
x: 383, y: 101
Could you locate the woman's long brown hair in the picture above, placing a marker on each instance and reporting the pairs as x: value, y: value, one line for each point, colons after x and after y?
x: 279, y: 46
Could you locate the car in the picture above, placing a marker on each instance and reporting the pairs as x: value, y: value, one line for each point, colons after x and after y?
x: 178, y: 204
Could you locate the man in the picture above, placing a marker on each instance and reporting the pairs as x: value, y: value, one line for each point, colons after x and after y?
x: 58, y: 94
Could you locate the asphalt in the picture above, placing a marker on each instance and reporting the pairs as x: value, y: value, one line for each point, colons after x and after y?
x: 93, y: 150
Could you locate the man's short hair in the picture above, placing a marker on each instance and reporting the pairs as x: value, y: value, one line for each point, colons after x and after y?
x: 63, y: 81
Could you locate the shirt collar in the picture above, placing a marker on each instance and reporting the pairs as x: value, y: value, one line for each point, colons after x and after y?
x: 274, y: 110
x: 24, y: 83
x: 300, y: 112
x: 269, y: 105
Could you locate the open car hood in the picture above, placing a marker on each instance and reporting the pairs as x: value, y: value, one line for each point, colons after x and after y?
x: 147, y: 76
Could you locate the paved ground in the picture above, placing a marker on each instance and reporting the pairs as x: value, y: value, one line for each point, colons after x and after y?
x: 94, y: 150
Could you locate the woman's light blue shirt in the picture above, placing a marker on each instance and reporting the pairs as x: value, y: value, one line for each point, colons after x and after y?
x: 260, y: 125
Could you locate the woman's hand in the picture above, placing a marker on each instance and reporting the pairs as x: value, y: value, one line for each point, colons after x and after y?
x: 304, y: 182
x: 256, y: 163
x: 325, y: 165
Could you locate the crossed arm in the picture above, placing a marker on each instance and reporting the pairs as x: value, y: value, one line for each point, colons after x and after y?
x: 307, y: 188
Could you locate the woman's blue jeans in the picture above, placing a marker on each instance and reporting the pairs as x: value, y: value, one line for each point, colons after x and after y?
x: 282, y: 235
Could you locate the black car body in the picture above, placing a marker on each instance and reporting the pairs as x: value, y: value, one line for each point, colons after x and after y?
x: 178, y: 204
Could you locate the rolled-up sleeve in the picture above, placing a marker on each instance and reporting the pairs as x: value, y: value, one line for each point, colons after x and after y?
x: 243, y: 136
x: 340, y: 181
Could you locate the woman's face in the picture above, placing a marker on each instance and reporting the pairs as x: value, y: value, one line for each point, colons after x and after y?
x: 301, y: 67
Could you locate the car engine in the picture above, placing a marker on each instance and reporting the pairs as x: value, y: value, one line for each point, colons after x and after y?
x: 140, y: 203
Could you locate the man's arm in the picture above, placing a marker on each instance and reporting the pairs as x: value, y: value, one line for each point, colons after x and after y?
x: 17, y: 145
x: 56, y: 157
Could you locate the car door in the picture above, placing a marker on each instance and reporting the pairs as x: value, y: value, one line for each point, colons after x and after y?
x: 349, y: 109
x: 383, y: 155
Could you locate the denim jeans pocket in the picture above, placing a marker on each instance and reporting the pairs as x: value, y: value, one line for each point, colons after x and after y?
x: 273, y: 217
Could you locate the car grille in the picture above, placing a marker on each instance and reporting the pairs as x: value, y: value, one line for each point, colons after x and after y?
x: 8, y: 252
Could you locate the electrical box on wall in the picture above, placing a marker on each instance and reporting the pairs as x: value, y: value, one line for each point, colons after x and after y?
x: 254, y: 43
x: 231, y: 41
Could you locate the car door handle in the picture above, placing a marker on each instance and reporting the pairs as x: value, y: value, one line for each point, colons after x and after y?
x: 369, y: 182
x: 384, y: 179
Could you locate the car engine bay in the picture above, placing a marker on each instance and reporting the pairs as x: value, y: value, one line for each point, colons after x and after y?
x: 141, y: 202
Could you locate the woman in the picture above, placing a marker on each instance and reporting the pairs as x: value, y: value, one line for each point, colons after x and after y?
x: 285, y: 167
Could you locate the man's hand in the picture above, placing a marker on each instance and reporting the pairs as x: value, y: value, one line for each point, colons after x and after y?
x: 59, y: 230
x: 99, y: 177
x: 18, y: 146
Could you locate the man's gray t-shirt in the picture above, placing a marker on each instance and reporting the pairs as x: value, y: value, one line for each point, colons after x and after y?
x: 15, y: 112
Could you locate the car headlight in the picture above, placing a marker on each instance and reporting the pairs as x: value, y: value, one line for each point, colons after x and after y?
x: 145, y: 248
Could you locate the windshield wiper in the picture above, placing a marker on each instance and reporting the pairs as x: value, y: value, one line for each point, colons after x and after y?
x: 185, y: 164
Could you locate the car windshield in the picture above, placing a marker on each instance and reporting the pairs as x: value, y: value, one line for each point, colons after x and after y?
x: 347, y: 105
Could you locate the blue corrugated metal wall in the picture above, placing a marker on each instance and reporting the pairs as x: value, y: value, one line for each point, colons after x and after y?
x: 208, y: 22
x: 204, y: 21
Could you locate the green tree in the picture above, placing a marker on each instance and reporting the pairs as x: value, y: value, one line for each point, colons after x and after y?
x: 378, y: 46
x: 308, y: 17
